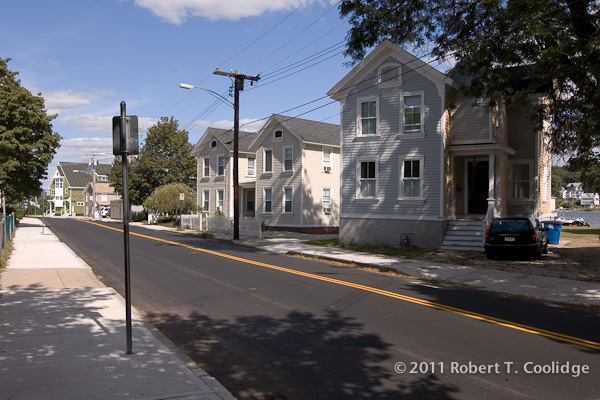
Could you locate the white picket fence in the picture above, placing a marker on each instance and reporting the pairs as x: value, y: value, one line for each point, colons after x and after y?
x: 220, y: 224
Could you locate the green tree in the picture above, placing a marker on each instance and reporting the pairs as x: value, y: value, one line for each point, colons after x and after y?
x: 166, y: 199
x: 27, y: 142
x: 164, y: 159
x: 557, y: 40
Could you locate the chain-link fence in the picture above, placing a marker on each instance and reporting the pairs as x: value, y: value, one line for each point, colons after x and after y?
x: 7, y: 229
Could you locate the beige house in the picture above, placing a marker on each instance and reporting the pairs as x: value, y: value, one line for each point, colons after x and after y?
x: 288, y: 174
x: 297, y: 174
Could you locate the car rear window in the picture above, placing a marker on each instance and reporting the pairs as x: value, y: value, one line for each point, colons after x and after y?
x: 509, y: 226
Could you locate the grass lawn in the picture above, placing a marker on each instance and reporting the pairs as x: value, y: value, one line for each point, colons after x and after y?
x: 386, y: 249
x: 578, y: 231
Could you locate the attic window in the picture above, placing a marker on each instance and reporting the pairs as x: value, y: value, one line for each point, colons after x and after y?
x: 278, y: 135
x: 389, y: 74
x: 213, y: 143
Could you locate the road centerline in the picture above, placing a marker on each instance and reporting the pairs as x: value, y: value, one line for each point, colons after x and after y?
x: 398, y: 296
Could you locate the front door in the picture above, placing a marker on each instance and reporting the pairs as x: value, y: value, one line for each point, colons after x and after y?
x: 478, y: 186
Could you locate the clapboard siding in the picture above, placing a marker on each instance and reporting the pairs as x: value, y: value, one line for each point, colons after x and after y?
x: 391, y: 145
x: 471, y: 122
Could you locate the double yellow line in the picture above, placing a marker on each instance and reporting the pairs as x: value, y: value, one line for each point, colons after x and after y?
x: 414, y: 300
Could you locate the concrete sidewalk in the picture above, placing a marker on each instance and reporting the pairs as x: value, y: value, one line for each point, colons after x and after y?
x: 62, y: 333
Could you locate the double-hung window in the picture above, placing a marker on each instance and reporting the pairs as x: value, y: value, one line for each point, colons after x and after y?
x: 206, y: 166
x: 221, y: 165
x: 267, y: 160
x: 368, y: 117
x: 411, y: 178
x: 326, y: 200
x: 520, y: 181
x: 220, y: 199
x: 412, y: 113
x: 287, y: 200
x: 326, y: 160
x: 367, y: 181
x: 251, y: 166
x: 205, y: 199
x: 288, y: 154
x: 267, y: 200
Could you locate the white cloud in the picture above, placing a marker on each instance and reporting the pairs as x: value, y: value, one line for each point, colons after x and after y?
x: 178, y: 11
x: 101, y: 123
x: 65, y: 99
x: 79, y: 149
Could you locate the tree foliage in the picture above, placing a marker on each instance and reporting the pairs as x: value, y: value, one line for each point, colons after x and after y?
x: 165, y: 199
x: 558, y: 40
x: 27, y: 142
x: 164, y: 159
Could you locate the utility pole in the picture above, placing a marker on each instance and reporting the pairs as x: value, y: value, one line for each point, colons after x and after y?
x: 238, y: 85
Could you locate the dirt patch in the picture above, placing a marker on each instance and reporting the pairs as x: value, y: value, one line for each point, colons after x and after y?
x: 572, y: 258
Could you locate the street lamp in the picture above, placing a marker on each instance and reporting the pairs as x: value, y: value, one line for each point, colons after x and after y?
x: 220, y: 97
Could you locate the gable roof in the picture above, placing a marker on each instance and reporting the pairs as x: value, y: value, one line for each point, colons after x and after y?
x: 79, y: 174
x: 383, y: 51
x: 306, y: 130
x: 101, y: 187
x: 225, y: 137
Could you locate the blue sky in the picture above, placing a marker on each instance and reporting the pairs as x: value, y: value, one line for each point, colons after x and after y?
x: 86, y: 56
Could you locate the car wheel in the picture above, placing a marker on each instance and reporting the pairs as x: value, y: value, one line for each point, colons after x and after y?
x: 491, y: 255
x: 538, y: 254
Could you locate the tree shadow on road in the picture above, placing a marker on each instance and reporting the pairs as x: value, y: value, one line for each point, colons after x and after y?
x: 298, y: 356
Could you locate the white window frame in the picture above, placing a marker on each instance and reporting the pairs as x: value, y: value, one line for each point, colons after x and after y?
x: 275, y: 138
x: 402, y: 179
x: 359, y: 117
x: 264, y: 163
x: 220, y: 199
x: 327, y: 161
x: 265, y: 190
x: 220, y: 157
x: 530, y: 180
x: 389, y: 82
x: 206, y: 200
x: 285, y: 199
x: 291, y: 160
x: 403, y: 130
x: 251, y: 170
x: 359, y: 178
x: 58, y: 183
x: 326, y: 204
x: 206, y: 167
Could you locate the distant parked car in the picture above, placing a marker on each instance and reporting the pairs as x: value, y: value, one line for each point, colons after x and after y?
x: 105, y: 212
x: 516, y: 236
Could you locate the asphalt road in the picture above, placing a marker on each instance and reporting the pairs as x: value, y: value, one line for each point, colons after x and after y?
x: 276, y: 327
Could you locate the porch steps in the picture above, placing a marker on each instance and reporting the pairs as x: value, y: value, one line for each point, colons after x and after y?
x: 464, y: 235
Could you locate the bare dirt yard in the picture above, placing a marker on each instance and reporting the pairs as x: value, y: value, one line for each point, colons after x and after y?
x: 576, y: 258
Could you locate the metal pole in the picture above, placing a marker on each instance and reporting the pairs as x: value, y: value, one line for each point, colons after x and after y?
x: 123, y: 138
x: 94, y: 187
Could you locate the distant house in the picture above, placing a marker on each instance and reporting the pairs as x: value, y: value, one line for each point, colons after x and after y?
x: 573, y: 191
x: 297, y: 174
x: 214, y: 154
x: 288, y: 174
x: 590, y: 200
x: 67, y: 184
x: 104, y: 194
x: 423, y: 165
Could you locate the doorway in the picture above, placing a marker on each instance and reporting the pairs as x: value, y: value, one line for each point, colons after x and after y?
x: 478, y: 186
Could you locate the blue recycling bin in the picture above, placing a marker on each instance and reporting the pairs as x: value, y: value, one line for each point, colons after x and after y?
x: 553, y: 232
